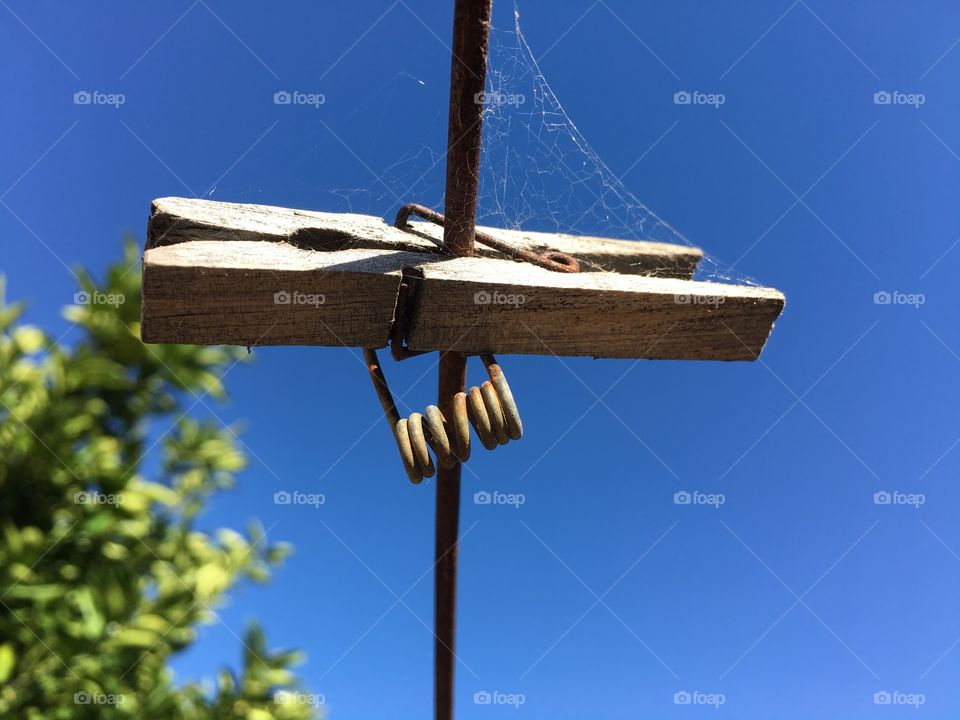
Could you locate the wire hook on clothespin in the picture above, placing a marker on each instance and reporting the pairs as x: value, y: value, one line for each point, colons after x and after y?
x: 556, y: 261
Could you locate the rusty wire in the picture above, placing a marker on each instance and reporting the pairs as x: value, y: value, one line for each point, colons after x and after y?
x: 490, y: 409
x: 556, y: 261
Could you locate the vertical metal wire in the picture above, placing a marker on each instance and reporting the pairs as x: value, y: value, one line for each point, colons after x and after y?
x: 468, y: 72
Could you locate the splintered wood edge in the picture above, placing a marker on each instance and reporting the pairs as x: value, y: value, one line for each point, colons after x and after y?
x: 176, y: 220
x: 211, y: 292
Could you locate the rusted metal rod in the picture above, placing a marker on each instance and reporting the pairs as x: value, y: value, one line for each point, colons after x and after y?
x: 556, y: 261
x: 468, y: 73
x: 380, y: 385
x: 453, y: 377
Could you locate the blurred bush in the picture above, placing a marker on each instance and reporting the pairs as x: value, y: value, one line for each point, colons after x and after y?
x: 103, y: 576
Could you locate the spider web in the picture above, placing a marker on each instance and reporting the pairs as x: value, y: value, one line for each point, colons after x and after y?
x: 537, y: 171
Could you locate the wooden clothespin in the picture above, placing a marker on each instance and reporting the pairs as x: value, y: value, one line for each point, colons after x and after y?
x: 224, y: 273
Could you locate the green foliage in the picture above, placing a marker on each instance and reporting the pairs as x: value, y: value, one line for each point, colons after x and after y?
x: 103, y: 576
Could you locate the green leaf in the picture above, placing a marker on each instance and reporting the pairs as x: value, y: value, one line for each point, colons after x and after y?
x: 211, y: 579
x: 35, y: 593
x: 28, y: 339
x: 8, y: 660
x: 131, y: 637
x: 152, y: 622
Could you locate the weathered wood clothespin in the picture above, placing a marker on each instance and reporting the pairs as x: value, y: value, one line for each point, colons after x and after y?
x: 217, y: 272
x: 225, y: 273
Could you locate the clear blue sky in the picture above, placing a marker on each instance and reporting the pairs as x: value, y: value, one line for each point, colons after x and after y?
x: 800, y: 596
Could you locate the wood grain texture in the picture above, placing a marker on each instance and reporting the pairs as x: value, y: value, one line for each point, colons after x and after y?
x: 175, y: 220
x: 255, y: 293
x: 220, y: 273
x: 471, y: 305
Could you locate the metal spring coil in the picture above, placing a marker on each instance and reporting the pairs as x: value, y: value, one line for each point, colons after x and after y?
x: 490, y: 409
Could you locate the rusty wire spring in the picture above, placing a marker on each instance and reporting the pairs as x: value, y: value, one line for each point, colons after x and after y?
x: 490, y: 409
